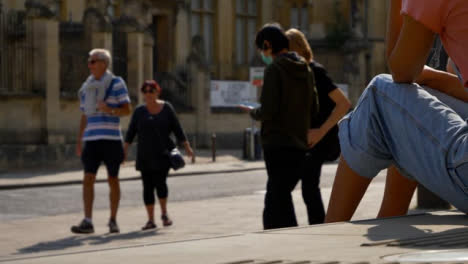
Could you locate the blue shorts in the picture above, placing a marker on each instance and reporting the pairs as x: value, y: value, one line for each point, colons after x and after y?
x: 97, y: 151
x: 424, y: 133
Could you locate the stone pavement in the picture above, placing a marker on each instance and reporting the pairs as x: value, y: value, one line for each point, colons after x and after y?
x: 49, y: 240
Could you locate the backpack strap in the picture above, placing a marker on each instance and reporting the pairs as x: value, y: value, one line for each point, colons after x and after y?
x: 115, y: 79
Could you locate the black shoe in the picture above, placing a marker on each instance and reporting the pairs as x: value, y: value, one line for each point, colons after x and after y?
x: 84, y: 227
x: 113, y: 227
x: 149, y: 225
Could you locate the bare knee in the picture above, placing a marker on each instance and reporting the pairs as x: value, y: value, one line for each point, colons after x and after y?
x: 89, y: 179
x: 113, y: 183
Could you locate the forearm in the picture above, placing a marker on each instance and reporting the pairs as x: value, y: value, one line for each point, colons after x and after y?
x: 122, y: 110
x: 186, y: 144
x: 83, y: 122
x: 126, y: 146
x: 336, y: 115
x: 444, y: 82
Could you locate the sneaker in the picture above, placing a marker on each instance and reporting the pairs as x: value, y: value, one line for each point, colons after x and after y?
x: 85, y: 227
x: 113, y: 227
x: 166, y: 220
x: 149, y: 225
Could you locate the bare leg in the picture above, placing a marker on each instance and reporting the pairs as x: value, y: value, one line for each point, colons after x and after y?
x: 150, y: 211
x: 398, y: 193
x: 163, y: 204
x: 348, y: 190
x: 114, y: 195
x: 88, y: 194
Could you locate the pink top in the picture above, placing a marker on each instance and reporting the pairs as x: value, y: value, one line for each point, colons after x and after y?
x: 449, y: 19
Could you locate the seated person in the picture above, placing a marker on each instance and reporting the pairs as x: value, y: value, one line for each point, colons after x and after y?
x: 420, y: 134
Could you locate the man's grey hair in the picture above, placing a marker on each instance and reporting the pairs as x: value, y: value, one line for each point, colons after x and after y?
x: 102, y: 54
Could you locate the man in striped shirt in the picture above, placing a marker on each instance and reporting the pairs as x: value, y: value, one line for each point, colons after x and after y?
x: 103, y: 99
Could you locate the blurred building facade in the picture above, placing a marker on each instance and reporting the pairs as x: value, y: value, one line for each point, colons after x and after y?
x: 183, y: 44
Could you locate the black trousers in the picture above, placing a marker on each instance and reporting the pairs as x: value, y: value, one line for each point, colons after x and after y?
x: 310, y: 187
x: 154, y: 179
x: 284, y: 168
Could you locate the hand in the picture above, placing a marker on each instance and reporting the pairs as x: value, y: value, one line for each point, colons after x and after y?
x: 189, y: 152
x: 102, y: 107
x: 245, y: 108
x: 78, y: 148
x: 314, y: 136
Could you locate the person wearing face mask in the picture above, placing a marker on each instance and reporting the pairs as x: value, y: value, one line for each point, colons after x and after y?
x: 288, y: 100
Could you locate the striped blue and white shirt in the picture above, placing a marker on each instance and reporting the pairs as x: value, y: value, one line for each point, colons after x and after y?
x: 102, y: 125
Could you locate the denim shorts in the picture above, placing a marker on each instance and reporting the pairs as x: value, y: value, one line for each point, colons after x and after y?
x: 423, y: 132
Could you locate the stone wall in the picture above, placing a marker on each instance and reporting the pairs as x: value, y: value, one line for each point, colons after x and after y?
x: 22, y: 120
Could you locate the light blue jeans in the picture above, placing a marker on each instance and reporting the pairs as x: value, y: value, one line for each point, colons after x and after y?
x: 423, y: 132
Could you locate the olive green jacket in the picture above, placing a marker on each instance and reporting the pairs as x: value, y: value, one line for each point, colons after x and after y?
x: 288, y: 100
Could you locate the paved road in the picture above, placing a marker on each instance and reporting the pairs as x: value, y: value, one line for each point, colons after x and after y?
x: 33, y: 202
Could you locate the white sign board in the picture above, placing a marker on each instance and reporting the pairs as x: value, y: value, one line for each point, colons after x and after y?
x: 231, y: 93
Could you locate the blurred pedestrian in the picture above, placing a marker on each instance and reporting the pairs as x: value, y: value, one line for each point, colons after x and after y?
x: 103, y: 100
x: 323, y: 133
x: 153, y: 123
x: 288, y: 102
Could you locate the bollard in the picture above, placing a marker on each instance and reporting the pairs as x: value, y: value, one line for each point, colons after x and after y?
x: 213, y: 147
x: 194, y: 148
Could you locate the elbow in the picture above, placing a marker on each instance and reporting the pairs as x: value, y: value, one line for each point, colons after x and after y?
x: 402, y: 78
x: 343, y: 104
x: 346, y: 105
x: 401, y: 74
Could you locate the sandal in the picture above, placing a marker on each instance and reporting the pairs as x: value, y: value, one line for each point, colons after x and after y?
x: 166, y: 220
x: 149, y: 225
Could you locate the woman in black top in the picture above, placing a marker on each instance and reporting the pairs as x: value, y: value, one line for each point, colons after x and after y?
x: 323, y: 134
x: 153, y: 122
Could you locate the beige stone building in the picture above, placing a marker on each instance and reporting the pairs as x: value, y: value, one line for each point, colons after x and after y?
x: 184, y: 44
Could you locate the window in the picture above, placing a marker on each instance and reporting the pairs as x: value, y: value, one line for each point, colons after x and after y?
x: 203, y: 12
x: 300, y: 17
x: 246, y: 28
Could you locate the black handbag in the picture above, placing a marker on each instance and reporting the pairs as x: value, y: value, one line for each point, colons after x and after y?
x: 176, y: 160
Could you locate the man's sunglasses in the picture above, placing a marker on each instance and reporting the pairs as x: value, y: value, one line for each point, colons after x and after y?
x: 92, y: 61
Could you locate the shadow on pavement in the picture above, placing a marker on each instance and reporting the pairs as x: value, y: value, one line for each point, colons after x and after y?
x: 418, y: 231
x: 81, y: 240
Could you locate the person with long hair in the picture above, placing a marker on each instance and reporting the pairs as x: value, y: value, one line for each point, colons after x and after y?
x: 154, y: 122
x: 323, y: 132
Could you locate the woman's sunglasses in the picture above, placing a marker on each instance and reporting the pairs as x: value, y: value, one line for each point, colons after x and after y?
x: 151, y: 90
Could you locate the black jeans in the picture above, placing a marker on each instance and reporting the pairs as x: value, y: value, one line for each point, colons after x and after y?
x: 310, y: 187
x: 284, y: 168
